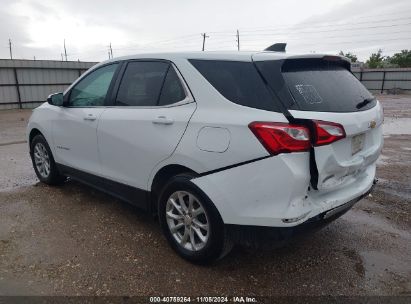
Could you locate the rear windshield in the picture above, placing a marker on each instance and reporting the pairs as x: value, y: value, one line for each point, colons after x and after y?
x: 238, y: 82
x: 317, y: 85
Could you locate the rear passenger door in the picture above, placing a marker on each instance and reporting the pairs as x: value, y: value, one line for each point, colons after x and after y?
x: 151, y: 107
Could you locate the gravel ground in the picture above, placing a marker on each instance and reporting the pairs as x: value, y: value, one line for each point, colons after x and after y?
x: 73, y: 240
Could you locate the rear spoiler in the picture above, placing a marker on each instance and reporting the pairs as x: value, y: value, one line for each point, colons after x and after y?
x: 276, y: 47
x: 269, y: 54
x: 308, y: 60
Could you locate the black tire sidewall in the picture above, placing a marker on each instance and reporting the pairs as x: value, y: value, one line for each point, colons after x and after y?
x: 54, y: 177
x: 215, y: 244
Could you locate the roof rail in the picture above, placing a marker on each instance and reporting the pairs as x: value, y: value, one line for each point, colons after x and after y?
x: 276, y: 47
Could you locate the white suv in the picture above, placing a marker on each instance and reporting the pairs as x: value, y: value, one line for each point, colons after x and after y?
x: 224, y: 147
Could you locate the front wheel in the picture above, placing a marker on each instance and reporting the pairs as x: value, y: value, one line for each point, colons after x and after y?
x: 43, y: 161
x: 191, y: 223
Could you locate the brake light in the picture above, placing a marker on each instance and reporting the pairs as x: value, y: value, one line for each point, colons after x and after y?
x: 279, y: 137
x: 327, y: 132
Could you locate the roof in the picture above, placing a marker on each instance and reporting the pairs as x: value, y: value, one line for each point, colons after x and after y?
x: 219, y: 55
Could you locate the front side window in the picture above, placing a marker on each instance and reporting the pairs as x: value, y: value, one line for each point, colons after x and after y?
x: 92, y: 90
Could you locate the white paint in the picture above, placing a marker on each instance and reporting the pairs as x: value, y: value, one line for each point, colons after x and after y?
x: 213, y: 139
x: 335, y: 162
x: 131, y: 144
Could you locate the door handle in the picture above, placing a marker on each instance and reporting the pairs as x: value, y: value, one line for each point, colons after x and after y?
x: 163, y: 120
x: 90, y: 117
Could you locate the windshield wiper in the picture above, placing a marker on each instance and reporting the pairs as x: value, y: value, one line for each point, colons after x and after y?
x: 365, y: 102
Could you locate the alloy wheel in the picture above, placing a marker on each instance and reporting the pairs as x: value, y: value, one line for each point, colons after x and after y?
x: 42, y: 160
x: 187, y: 220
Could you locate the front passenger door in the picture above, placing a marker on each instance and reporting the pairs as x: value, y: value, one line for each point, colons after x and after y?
x: 75, y: 127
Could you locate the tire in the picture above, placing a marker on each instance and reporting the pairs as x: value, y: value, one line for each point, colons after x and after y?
x: 215, y: 242
x: 43, y: 162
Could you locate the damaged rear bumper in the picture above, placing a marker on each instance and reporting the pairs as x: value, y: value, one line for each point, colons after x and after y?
x: 256, y: 236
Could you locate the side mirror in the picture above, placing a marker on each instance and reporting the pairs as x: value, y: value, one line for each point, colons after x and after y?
x: 55, y: 99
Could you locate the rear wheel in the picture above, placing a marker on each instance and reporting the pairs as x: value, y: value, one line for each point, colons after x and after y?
x: 191, y: 223
x: 43, y: 161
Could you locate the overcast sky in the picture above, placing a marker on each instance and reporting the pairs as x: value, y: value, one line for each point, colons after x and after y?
x: 38, y: 27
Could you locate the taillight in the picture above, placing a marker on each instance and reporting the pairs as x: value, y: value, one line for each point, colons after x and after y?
x: 279, y: 137
x: 327, y: 132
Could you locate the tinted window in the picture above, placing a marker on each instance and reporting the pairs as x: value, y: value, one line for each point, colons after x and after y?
x: 319, y: 85
x: 92, y: 90
x: 237, y: 81
x: 141, y: 84
x: 172, y: 91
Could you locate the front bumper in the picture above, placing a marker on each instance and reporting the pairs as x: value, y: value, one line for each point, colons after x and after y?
x: 256, y: 236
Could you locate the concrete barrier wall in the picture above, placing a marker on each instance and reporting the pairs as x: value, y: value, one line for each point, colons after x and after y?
x: 27, y: 83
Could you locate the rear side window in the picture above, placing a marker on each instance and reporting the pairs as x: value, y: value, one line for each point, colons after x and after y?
x: 237, y: 81
x: 321, y: 86
x: 141, y: 84
x: 172, y: 91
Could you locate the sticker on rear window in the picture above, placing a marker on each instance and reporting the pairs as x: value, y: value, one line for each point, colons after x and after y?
x: 309, y: 93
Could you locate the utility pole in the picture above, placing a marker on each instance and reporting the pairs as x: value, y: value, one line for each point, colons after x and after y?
x: 238, y: 40
x: 62, y: 57
x: 111, y: 51
x: 108, y: 52
x: 65, y: 50
x: 204, y: 38
x: 11, y: 53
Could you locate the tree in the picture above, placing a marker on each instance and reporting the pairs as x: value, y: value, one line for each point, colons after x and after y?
x: 376, y: 60
x: 350, y: 56
x: 402, y: 59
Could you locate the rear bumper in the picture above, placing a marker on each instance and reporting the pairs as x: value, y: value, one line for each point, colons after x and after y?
x: 275, y: 192
x: 277, y: 236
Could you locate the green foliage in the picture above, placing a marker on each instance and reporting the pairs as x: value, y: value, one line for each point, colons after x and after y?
x: 402, y: 59
x: 350, y: 56
x: 376, y: 60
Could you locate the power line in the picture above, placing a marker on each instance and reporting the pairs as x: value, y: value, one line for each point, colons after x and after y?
x: 336, y: 30
x: 247, y: 32
x: 300, y: 25
x: 324, y: 25
x: 323, y: 37
x: 269, y: 34
x: 134, y: 46
x: 348, y: 42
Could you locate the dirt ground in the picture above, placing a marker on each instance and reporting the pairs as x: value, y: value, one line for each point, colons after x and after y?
x: 73, y: 240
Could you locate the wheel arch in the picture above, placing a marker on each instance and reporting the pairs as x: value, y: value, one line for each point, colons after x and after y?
x: 160, y: 179
x: 34, y: 132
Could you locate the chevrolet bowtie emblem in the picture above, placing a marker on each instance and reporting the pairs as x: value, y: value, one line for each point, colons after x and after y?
x: 372, y: 124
